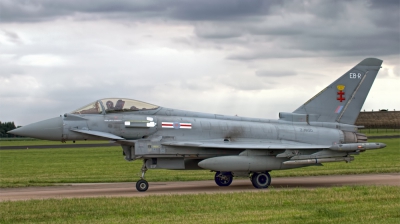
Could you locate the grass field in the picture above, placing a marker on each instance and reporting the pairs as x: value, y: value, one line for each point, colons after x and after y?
x: 41, y: 167
x: 353, y: 204
x: 33, y: 142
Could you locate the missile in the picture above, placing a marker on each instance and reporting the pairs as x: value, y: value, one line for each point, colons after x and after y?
x: 357, y: 146
x: 316, y: 161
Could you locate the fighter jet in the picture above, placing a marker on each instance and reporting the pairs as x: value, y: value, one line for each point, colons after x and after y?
x: 321, y: 130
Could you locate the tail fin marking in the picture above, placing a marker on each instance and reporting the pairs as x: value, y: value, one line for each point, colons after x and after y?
x: 342, y: 100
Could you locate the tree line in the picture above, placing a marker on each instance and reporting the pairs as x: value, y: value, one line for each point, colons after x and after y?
x: 6, y: 126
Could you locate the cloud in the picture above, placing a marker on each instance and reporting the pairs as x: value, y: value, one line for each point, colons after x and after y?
x: 41, y: 60
x: 204, y: 30
x: 44, y: 10
x: 272, y: 73
x: 228, y: 57
x: 297, y: 29
x: 302, y: 28
x: 41, y: 10
x: 11, y: 37
x: 220, y: 10
x: 390, y: 9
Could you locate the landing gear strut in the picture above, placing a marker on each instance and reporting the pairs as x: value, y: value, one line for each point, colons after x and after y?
x: 142, y: 184
x: 223, y: 179
x: 261, y: 180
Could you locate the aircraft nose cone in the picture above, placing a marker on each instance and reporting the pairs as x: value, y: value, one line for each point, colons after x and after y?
x: 50, y: 129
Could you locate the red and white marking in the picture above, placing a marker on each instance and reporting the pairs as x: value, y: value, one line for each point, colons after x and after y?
x: 176, y: 125
x: 167, y: 125
x: 186, y: 125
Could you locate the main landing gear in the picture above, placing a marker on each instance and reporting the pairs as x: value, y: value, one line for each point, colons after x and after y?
x: 259, y: 180
x: 223, y: 179
x: 142, y: 184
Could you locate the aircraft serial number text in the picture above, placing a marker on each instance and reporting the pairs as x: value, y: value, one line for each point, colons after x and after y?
x: 306, y: 130
x: 355, y: 75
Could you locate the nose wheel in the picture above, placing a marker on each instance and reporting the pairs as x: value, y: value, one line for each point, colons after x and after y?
x: 142, y: 185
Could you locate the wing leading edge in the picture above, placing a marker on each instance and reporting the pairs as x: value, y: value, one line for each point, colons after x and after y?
x: 274, y: 144
x: 246, y: 144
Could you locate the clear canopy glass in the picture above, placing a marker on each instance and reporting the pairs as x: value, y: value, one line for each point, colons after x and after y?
x: 92, y: 108
x: 114, y: 105
x: 119, y: 105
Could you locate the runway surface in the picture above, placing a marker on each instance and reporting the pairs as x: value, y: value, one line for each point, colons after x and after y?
x: 191, y: 187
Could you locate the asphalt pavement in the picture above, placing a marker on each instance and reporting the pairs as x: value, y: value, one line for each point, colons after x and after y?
x: 128, y: 189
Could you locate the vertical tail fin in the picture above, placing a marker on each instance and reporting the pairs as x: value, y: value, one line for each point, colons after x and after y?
x: 342, y: 100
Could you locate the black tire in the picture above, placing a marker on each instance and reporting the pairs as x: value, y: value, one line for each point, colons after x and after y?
x: 261, y: 180
x: 142, y: 185
x: 223, y: 179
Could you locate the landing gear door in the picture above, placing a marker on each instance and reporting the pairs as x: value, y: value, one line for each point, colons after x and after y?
x: 147, y: 147
x: 128, y: 152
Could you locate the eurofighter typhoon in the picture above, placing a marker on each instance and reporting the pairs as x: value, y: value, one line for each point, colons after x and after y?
x: 319, y: 131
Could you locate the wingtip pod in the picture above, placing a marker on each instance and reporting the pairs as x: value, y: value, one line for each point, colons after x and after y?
x: 371, y: 62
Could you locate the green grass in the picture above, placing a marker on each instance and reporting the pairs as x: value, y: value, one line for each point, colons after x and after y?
x: 33, y: 142
x: 353, y: 204
x: 18, y: 139
x: 41, y: 167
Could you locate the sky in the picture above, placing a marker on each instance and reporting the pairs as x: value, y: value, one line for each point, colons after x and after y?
x: 248, y: 58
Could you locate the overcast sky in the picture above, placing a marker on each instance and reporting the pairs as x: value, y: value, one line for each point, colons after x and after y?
x: 233, y: 57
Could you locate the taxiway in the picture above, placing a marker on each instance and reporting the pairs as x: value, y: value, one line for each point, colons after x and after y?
x: 127, y: 189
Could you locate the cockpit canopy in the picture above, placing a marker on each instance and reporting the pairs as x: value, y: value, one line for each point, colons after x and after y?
x: 114, y: 105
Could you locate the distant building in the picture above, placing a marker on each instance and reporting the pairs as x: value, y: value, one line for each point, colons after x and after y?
x: 379, y: 119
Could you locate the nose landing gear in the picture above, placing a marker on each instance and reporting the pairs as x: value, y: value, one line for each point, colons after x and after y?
x: 142, y: 185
